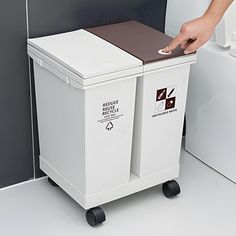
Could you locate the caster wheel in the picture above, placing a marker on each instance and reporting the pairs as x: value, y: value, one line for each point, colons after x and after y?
x: 171, y: 189
x: 52, y: 182
x: 95, y: 216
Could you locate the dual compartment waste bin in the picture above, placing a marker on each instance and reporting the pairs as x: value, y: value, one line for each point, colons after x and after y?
x: 110, y: 112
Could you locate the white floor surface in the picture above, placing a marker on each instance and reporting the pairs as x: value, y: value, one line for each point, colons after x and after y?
x: 206, y: 207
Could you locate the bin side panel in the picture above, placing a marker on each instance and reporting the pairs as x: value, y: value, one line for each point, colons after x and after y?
x: 163, y: 106
x: 60, y: 110
x: 109, y: 130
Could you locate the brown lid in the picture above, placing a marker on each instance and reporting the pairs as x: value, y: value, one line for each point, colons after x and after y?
x: 137, y: 39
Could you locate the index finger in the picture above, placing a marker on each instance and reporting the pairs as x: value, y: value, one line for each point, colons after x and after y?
x: 176, y: 42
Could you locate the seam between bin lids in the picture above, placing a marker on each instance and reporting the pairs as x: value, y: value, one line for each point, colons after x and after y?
x: 115, y: 45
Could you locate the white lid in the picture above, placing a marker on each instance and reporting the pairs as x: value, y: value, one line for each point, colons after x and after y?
x: 226, y: 29
x: 84, y: 53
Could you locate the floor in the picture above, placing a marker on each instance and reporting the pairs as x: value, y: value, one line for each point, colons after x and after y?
x: 206, y: 206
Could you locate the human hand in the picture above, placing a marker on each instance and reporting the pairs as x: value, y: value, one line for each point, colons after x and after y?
x: 193, y: 35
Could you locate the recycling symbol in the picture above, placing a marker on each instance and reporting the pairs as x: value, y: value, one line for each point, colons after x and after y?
x: 109, y: 126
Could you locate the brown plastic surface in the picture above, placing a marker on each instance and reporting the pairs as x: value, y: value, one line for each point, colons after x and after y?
x: 137, y: 39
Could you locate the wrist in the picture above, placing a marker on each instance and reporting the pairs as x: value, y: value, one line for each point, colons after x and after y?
x: 211, y: 18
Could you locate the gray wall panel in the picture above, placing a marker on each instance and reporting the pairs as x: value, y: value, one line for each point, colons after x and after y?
x: 45, y: 17
x: 16, y: 162
x: 55, y: 16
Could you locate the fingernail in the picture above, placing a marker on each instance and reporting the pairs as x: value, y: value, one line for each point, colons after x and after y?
x: 186, y: 52
x: 166, y: 49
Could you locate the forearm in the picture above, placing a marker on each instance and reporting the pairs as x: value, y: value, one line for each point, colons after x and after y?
x: 217, y: 9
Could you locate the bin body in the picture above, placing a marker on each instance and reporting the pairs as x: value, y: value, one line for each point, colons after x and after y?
x: 160, y: 98
x: 159, y: 116
x: 73, y: 136
x: 85, y: 132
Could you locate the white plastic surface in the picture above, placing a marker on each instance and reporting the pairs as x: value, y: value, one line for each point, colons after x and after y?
x: 211, y: 114
x: 84, y: 53
x: 75, y: 80
x: 158, y: 124
x: 169, y: 63
x: 226, y: 29
x: 83, y: 137
x: 134, y: 185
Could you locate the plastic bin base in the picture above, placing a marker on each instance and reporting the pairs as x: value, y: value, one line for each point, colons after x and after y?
x: 134, y: 185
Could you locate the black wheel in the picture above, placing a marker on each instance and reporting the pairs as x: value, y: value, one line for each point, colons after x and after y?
x: 52, y: 182
x: 171, y: 189
x: 95, y: 216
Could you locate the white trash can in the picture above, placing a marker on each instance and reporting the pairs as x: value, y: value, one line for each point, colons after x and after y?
x: 85, y: 91
x: 85, y: 94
